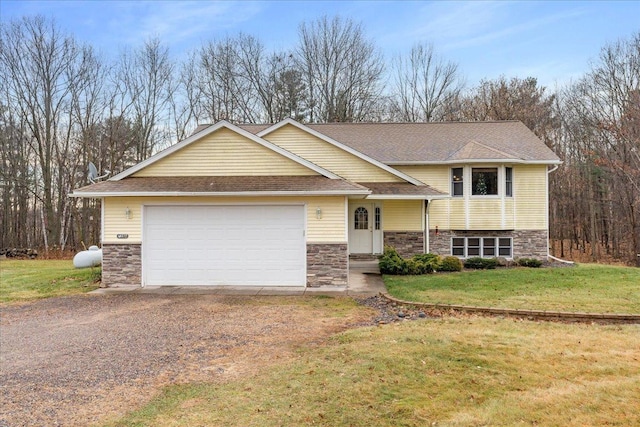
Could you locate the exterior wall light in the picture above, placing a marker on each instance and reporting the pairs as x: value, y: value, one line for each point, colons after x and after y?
x: 127, y: 213
x: 318, y: 213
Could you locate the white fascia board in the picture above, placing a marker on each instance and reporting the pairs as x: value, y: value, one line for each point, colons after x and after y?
x: 290, y: 121
x: 217, y: 194
x: 411, y: 197
x: 469, y: 161
x: 211, y: 129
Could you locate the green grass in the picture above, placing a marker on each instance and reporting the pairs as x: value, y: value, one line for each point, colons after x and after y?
x: 583, y: 288
x: 451, y: 372
x: 28, y: 280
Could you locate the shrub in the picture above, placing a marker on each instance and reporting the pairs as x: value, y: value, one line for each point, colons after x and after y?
x: 529, y: 262
x: 450, y: 263
x: 414, y: 267
x: 391, y: 262
x: 478, y: 263
x: 431, y: 262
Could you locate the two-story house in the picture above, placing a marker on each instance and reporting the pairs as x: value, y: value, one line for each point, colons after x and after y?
x: 286, y: 204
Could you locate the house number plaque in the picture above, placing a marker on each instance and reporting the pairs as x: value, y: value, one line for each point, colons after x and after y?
x: 122, y: 236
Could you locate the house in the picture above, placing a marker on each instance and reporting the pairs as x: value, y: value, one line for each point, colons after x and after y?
x: 287, y: 204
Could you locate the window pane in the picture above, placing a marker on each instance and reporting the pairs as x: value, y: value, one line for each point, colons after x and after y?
x: 484, y: 181
x: 473, y: 246
x: 505, y: 241
x: 361, y: 219
x: 489, y: 252
x: 457, y: 246
x: 488, y: 242
x: 377, y: 218
x: 509, y: 182
x: 504, y: 248
x: 457, y: 187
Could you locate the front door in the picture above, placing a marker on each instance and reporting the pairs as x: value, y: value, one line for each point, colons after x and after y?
x: 361, y: 227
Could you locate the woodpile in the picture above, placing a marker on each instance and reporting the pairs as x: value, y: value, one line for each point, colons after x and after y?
x: 18, y: 253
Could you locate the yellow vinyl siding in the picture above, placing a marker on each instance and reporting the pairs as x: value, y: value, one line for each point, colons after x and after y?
x: 530, y: 194
x: 224, y: 153
x: 486, y: 214
x: 437, y: 177
x: 509, y: 209
x: 457, y: 210
x: 439, y: 214
x: 329, y: 229
x: 402, y: 215
x: 328, y: 156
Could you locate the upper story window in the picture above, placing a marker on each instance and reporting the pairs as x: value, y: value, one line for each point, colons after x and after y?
x: 508, y: 182
x: 457, y: 184
x: 484, y: 181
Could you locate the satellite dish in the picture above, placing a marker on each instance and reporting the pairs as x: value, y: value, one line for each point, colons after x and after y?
x: 93, y: 173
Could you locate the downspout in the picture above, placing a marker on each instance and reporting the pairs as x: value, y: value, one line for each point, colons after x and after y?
x: 426, y: 226
x: 548, y: 254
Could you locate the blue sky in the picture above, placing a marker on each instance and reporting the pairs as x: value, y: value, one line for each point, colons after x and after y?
x: 551, y: 40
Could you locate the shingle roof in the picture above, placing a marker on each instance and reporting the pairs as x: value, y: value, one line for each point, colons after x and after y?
x: 435, y: 142
x: 194, y: 185
x: 406, y: 143
x: 401, y: 189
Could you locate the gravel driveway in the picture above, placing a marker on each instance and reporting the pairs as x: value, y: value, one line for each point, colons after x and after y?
x: 82, y: 360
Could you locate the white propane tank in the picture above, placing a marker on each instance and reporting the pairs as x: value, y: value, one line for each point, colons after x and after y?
x: 89, y: 258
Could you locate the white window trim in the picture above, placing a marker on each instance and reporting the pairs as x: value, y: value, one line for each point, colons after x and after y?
x: 496, y: 247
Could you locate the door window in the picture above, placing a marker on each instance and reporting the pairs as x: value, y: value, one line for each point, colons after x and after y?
x: 361, y: 219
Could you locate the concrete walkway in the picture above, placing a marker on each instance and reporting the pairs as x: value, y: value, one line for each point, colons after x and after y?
x: 364, y: 280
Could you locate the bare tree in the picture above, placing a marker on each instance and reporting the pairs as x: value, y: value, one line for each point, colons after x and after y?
x: 341, y: 69
x: 145, y: 81
x: 40, y: 65
x: 224, y: 90
x: 502, y: 99
x: 601, y: 144
x: 424, y: 85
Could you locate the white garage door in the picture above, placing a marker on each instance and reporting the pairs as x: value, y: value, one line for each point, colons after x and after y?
x: 224, y: 245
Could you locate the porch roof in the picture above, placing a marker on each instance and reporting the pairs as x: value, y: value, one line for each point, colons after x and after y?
x: 222, y: 186
x: 402, y: 190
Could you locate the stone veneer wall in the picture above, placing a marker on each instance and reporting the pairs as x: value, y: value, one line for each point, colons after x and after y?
x: 121, y: 265
x: 526, y: 243
x: 407, y: 243
x: 327, y: 264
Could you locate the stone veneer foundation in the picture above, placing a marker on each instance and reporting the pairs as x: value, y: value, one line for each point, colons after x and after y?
x: 407, y: 243
x: 327, y: 264
x: 121, y: 265
x: 526, y: 243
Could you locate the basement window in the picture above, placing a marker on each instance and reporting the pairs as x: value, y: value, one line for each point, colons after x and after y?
x: 485, y: 247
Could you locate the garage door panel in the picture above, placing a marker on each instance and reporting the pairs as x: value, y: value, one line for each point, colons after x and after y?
x: 224, y: 245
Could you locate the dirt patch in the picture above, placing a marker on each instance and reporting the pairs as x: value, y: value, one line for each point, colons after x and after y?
x: 82, y: 360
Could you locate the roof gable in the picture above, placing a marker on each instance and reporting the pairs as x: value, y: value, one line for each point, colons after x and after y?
x: 332, y: 154
x: 224, y: 149
x: 477, y: 151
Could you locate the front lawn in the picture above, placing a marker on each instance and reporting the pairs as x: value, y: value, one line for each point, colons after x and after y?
x: 28, y: 280
x: 456, y: 371
x: 582, y: 288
